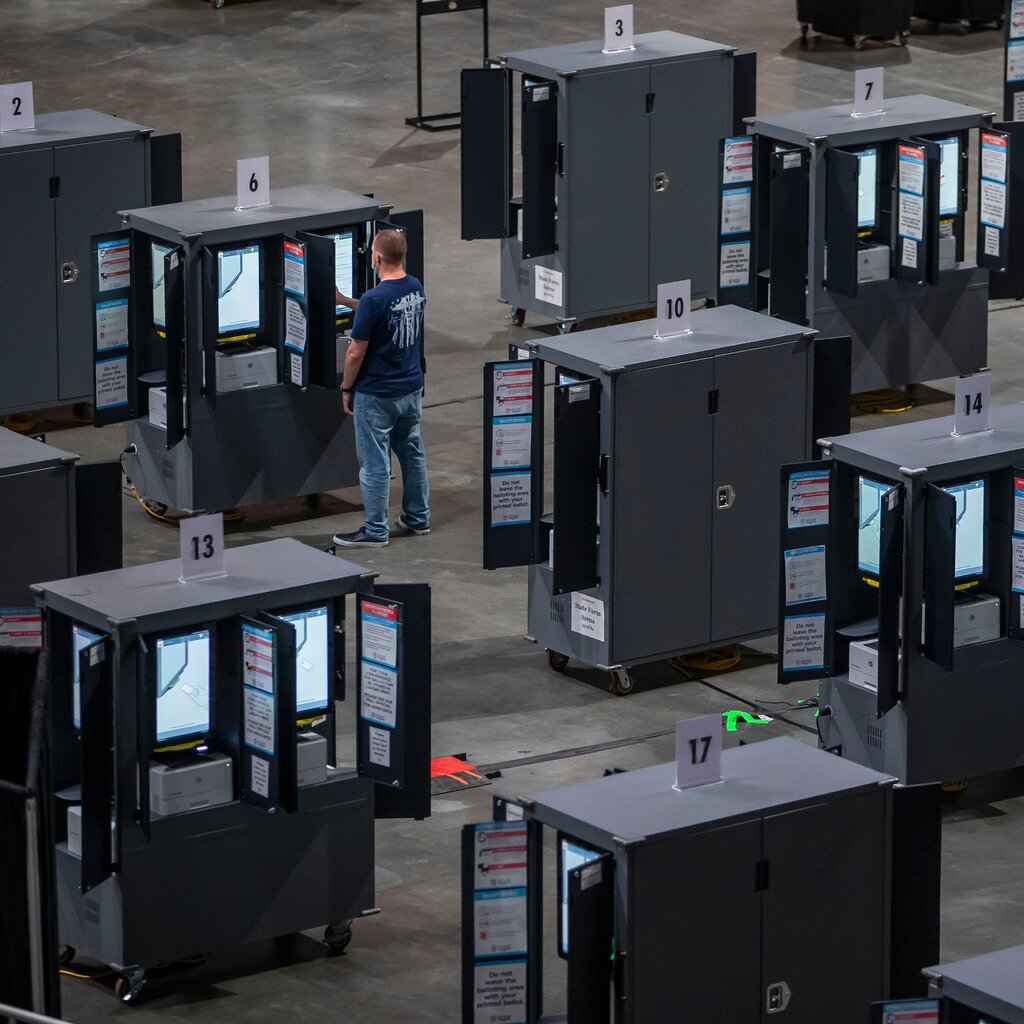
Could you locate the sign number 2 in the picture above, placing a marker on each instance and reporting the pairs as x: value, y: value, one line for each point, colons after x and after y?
x: 16, y: 103
x: 17, y: 109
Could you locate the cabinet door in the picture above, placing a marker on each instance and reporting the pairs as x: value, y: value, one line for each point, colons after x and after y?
x: 607, y: 190
x: 693, y: 931
x: 760, y: 425
x: 691, y: 109
x: 825, y: 907
x: 28, y: 313
x: 96, y: 180
x: 660, y: 480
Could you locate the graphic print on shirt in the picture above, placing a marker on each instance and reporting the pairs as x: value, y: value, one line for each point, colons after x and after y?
x: 405, y: 318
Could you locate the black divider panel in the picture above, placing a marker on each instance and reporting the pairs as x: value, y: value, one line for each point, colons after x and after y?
x: 164, y: 169
x: 388, y: 745
x: 96, y: 679
x: 995, y: 168
x: 591, y: 929
x: 939, y: 575
x: 486, y: 152
x: 737, y: 175
x: 890, y: 589
x: 210, y: 322
x: 98, y: 527
x: 933, y: 177
x: 916, y: 199
x: 412, y: 732
x: 114, y: 390
x: 174, y: 310
x: 806, y: 523
x: 323, y: 341
x: 269, y: 737
x: 833, y: 375
x: 744, y: 90
x: 789, y: 193
x: 298, y: 327
x: 539, y: 131
x: 1015, y: 588
x: 576, y: 467
x: 513, y: 463
x: 841, y: 221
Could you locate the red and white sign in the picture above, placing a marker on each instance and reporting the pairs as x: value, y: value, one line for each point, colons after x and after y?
x: 513, y: 390
x: 21, y: 627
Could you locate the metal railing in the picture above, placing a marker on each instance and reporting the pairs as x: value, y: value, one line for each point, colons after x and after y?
x: 26, y: 1016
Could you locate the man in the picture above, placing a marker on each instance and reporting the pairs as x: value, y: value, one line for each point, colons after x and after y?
x: 381, y: 389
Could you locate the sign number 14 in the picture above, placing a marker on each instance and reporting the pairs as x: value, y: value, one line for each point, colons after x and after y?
x: 972, y: 411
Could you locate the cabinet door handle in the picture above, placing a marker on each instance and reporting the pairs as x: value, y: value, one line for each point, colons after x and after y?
x: 68, y: 272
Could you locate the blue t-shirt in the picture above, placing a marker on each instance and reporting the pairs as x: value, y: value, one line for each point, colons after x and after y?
x: 390, y: 319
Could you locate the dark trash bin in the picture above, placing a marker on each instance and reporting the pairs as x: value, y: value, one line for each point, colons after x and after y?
x: 855, y: 21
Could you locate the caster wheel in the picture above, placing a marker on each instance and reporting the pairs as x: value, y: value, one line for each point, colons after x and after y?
x: 337, y: 937
x: 66, y: 955
x: 129, y: 986
x: 216, y: 4
x: 622, y: 682
x: 558, y: 661
x: 804, y: 29
x: 858, y: 42
x: 566, y: 326
x: 964, y: 27
x: 904, y: 38
x: 519, y: 317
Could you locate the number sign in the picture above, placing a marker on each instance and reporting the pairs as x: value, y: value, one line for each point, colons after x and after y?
x: 202, y: 547
x: 673, y: 309
x: 17, y: 110
x: 618, y: 28
x: 973, y: 408
x: 698, y: 751
x: 253, y: 182
x: 868, y: 92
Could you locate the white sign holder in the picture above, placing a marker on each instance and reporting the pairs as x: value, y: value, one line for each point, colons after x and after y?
x: 674, y: 310
x: 698, y: 751
x: 972, y: 409
x: 17, y: 108
x: 868, y: 92
x: 618, y: 29
x: 202, y: 548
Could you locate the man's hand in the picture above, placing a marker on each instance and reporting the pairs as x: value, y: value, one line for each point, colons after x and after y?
x: 345, y: 300
x: 346, y: 401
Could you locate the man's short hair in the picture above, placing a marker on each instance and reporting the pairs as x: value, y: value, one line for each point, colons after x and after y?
x: 391, y: 245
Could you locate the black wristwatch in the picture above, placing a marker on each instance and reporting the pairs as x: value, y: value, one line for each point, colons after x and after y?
x: 348, y: 391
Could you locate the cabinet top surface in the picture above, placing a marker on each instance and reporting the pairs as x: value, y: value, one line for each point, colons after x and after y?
x: 140, y: 591
x: 929, y: 444
x: 761, y: 777
x: 297, y: 202
x: 68, y: 126
x: 20, y: 452
x: 902, y: 115
x: 632, y: 346
x: 998, y: 975
x: 648, y: 48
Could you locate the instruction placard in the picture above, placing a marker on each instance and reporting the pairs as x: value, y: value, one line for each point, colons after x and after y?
x: 993, y: 156
x: 513, y: 390
x: 294, y: 325
x: 499, y: 992
x: 1015, y: 61
x: 512, y: 442
x: 294, y: 268
x: 803, y: 642
x: 738, y: 160
x: 111, y: 324
x: 1017, y: 565
x: 993, y: 204
x: 380, y: 633
x: 547, y: 286
x: 499, y: 919
x: 587, y: 616
x: 112, y: 382
x: 912, y: 170
x: 501, y: 852
x: 911, y: 216
x: 115, y: 264
x: 1018, y: 504
x: 805, y: 574
x: 257, y: 658
x: 511, y: 498
x: 734, y: 267
x: 380, y: 747
x: 380, y: 694
x: 808, y: 499
x: 736, y: 204
x: 21, y: 627
x: 258, y: 710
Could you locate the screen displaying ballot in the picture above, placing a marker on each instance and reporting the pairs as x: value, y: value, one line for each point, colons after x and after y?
x: 970, y: 527
x: 867, y: 188
x: 570, y: 855
x: 949, y: 178
x: 238, y: 289
x: 157, y: 253
x: 80, y: 639
x: 869, y: 523
x: 344, y: 267
x: 183, y: 685
x: 312, y: 669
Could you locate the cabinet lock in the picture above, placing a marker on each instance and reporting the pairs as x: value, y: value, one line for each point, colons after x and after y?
x: 661, y: 182
x: 724, y: 497
x: 68, y: 272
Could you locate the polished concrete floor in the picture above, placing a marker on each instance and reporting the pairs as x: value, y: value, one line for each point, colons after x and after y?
x: 324, y: 86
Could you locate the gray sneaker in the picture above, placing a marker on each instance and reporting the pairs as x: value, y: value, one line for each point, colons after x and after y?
x: 402, y: 523
x: 359, y: 539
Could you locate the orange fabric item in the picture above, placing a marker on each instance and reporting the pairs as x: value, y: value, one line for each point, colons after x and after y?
x: 451, y: 767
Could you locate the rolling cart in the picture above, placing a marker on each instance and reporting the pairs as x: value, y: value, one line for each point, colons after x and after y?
x: 967, y: 15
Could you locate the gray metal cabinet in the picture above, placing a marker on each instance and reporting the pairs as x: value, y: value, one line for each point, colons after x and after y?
x: 665, y: 526
x: 59, y: 184
x: 37, y: 515
x: 718, y: 890
x: 618, y: 156
x: 986, y: 989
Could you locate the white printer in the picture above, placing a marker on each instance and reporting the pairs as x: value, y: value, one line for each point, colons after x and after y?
x: 203, y: 782
x: 241, y: 367
x: 311, y: 759
x: 873, y: 263
x: 158, y: 407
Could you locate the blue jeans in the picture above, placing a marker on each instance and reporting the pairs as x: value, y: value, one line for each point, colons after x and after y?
x: 385, y: 425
